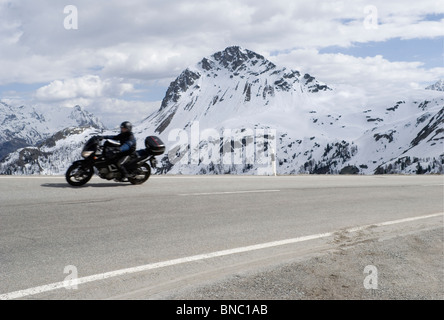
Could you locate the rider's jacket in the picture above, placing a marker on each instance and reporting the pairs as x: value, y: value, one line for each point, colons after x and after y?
x: 127, y: 142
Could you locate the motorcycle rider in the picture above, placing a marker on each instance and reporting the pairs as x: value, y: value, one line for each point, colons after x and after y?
x: 126, y: 150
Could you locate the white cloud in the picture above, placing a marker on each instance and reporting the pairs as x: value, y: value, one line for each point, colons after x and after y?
x: 123, y: 44
x: 89, y: 86
x: 114, y: 111
x: 156, y: 39
x: 374, y: 74
x: 111, y: 111
x: 136, y: 61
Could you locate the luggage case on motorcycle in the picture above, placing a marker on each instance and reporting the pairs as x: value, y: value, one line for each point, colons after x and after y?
x: 154, y: 145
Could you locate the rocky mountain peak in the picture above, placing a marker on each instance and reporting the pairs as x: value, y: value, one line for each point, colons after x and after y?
x: 229, y: 80
x: 181, y: 84
x: 438, y: 86
x: 236, y: 58
x: 84, y: 118
x: 233, y: 59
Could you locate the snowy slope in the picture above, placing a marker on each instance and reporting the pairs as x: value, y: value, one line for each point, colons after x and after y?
x: 52, y: 156
x: 25, y: 126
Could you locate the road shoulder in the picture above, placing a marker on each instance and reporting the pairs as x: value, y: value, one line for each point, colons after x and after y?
x: 406, y: 265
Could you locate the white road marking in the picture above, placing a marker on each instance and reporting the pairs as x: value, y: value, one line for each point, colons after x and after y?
x: 32, y: 177
x: 226, y: 192
x: 387, y: 223
x: 151, y: 266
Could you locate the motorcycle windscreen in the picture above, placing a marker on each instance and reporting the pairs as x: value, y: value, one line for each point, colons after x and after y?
x: 91, y: 144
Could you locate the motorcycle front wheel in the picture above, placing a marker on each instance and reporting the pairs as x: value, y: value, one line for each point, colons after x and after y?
x: 140, y: 175
x: 77, y: 174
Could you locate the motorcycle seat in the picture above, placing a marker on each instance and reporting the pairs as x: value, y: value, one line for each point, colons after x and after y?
x: 142, y: 154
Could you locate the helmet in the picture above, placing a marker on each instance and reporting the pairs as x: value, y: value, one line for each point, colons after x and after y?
x: 127, y: 125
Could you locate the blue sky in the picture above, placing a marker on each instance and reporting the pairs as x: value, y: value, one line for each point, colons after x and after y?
x: 121, y: 57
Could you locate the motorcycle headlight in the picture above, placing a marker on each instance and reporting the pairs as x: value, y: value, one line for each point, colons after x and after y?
x: 86, y: 154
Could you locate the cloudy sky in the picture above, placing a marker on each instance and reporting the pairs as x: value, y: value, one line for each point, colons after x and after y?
x: 117, y: 58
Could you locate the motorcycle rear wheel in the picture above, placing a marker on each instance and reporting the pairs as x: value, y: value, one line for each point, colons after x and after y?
x: 140, y: 175
x: 77, y: 174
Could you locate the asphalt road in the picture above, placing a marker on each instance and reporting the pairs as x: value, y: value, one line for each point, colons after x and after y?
x: 186, y: 230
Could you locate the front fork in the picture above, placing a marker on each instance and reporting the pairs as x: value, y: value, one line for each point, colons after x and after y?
x: 86, y: 163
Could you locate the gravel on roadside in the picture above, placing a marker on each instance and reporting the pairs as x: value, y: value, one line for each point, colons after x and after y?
x: 404, y: 267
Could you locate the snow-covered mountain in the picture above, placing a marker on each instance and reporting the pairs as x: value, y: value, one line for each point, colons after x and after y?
x: 245, y: 100
x: 237, y: 112
x: 438, y: 86
x: 228, y: 84
x: 52, y: 156
x: 26, y: 126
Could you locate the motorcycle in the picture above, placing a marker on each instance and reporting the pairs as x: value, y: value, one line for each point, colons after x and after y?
x: 95, y: 160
